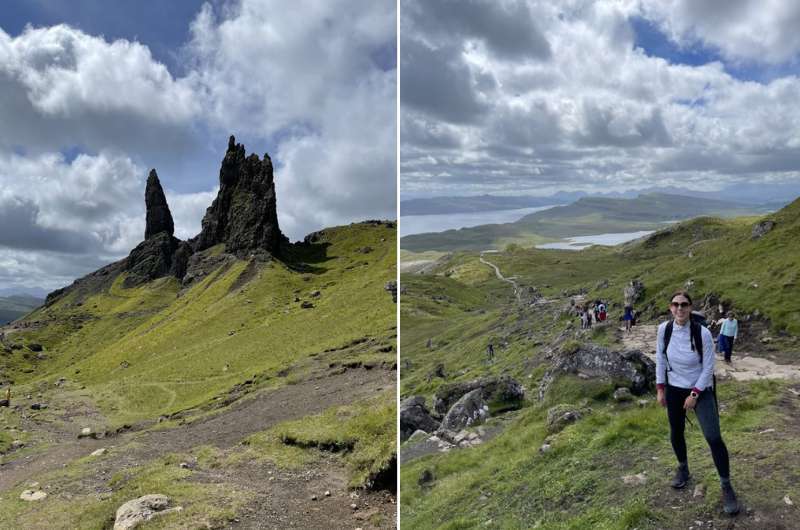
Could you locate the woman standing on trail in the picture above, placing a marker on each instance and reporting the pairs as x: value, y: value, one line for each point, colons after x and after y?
x: 684, y: 379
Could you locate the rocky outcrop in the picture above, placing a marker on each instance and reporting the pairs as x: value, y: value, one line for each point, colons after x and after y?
x: 631, y: 369
x: 414, y: 416
x: 138, y: 511
x: 762, y: 228
x: 500, y: 393
x: 244, y: 215
x: 562, y: 415
x: 158, y: 217
x: 633, y: 292
x: 471, y: 409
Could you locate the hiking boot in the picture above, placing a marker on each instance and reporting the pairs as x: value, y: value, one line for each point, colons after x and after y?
x: 681, y: 477
x: 729, y: 501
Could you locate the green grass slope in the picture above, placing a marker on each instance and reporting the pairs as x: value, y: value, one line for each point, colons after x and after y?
x: 449, y: 315
x: 154, y: 350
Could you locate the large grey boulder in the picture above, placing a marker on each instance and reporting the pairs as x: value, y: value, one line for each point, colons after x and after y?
x: 562, y: 415
x: 761, y: 228
x: 499, y: 393
x: 137, y: 511
x: 631, y: 369
x: 414, y: 416
x: 471, y: 409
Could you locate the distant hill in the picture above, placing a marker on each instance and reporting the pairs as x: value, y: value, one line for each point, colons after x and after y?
x: 586, y: 216
x: 15, y: 306
x: 481, y: 203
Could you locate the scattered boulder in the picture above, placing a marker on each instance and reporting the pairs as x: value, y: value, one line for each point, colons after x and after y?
x: 35, y: 347
x: 638, y: 479
x: 38, y: 406
x: 306, y: 304
x: 560, y: 416
x: 414, y: 416
x: 87, y: 432
x: 32, y: 495
x: 762, y: 228
x: 137, y: 511
x: 623, y: 394
x: 4, y: 403
x: 391, y: 286
x: 471, y: 409
x: 99, y: 452
x: 499, y: 393
x: 631, y: 369
x: 699, y: 491
x: 438, y: 371
x: 426, y: 477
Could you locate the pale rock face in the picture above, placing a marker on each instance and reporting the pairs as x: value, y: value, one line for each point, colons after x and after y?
x: 137, y: 511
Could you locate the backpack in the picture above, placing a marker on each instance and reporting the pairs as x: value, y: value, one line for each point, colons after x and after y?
x: 696, y: 343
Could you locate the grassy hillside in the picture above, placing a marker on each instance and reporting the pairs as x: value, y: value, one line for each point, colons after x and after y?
x: 587, y: 216
x: 162, y: 355
x: 449, y: 315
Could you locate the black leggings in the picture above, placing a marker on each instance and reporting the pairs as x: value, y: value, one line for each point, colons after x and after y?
x: 707, y: 416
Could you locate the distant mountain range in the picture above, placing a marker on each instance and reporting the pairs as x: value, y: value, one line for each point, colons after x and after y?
x: 482, y: 203
x: 586, y: 216
x: 15, y: 306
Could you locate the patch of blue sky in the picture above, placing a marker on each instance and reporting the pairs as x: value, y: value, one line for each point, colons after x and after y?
x: 655, y: 43
x: 163, y: 26
x: 71, y: 153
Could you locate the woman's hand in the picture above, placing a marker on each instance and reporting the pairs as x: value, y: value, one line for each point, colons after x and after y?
x: 661, y: 397
x: 690, y: 403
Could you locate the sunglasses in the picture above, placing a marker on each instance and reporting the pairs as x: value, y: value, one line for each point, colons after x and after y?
x: 680, y: 304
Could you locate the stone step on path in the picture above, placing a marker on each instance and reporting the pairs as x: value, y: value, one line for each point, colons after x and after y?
x: 744, y: 367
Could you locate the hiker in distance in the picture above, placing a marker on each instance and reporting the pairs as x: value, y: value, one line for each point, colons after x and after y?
x: 728, y: 332
x: 628, y: 317
x: 684, y: 382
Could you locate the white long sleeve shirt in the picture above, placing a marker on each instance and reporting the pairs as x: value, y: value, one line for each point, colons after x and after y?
x: 687, y: 370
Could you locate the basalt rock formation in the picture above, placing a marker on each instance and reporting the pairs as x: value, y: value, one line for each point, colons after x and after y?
x: 243, y: 217
x: 157, y: 256
x: 244, y: 214
x: 159, y: 218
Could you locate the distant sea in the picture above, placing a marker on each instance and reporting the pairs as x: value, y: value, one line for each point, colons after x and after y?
x: 581, y: 242
x: 420, y: 224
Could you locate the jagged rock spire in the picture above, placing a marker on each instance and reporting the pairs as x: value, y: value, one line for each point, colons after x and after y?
x: 244, y: 214
x: 159, y: 218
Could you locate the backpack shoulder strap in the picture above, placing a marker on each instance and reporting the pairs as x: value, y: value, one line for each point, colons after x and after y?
x: 667, y: 335
x: 696, y: 336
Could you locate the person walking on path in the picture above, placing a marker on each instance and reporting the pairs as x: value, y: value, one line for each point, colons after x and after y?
x: 628, y: 317
x: 684, y: 381
x: 490, y: 353
x: 727, y: 334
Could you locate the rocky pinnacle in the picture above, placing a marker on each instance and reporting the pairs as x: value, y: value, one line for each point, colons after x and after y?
x: 244, y: 214
x: 159, y: 219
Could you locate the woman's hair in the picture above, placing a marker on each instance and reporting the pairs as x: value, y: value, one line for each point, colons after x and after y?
x: 681, y: 293
x: 730, y: 314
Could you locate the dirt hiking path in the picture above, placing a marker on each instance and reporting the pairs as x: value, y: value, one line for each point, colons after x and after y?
x: 743, y: 367
x: 247, y: 416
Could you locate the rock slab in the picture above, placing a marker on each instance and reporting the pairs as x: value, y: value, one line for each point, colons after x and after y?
x: 137, y: 511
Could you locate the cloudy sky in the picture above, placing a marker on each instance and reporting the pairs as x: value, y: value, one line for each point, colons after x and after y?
x: 93, y: 94
x: 532, y: 97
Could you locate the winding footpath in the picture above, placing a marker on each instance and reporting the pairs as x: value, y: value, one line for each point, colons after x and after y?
x: 500, y: 275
